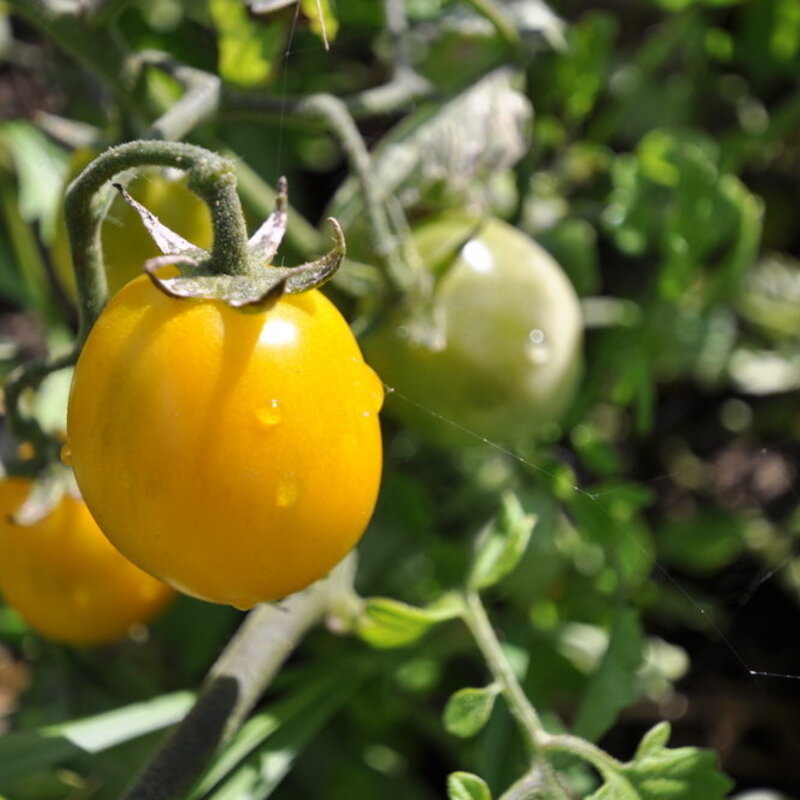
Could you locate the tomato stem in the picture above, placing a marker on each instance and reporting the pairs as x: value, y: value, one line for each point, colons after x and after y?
x: 211, y: 177
x: 234, y: 684
x: 476, y: 619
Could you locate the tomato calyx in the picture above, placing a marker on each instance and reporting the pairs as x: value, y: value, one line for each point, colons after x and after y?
x: 262, y: 283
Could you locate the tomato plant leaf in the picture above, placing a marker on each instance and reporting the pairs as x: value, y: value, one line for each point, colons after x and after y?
x: 248, y: 48
x: 611, y: 686
x: 264, y: 749
x: 501, y: 544
x: 466, y: 786
x: 454, y: 148
x: 661, y: 773
x: 390, y: 623
x: 468, y: 710
x: 28, y: 751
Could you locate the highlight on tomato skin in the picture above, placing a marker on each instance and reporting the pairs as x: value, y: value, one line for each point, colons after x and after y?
x: 64, y: 577
x: 235, y: 454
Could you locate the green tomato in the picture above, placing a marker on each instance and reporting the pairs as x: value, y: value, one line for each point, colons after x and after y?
x: 497, y: 353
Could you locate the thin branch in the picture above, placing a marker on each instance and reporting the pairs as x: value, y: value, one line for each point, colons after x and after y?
x: 396, y: 22
x: 234, y: 684
x: 200, y: 101
x: 334, y: 113
x: 28, y: 429
x: 400, y: 93
x: 503, y: 23
x: 486, y: 639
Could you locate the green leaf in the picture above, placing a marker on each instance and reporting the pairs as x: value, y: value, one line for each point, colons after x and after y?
x: 684, y: 773
x: 660, y: 773
x: 265, y: 748
x: 468, y: 710
x: 248, y: 48
x: 30, y: 751
x: 466, y: 786
x: 654, y: 740
x: 615, y: 788
x: 41, y: 168
x: 390, y: 623
x: 452, y: 150
x: 502, y: 544
x: 611, y: 688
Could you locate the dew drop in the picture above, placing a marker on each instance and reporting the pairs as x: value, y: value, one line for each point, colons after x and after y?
x: 288, y: 491
x: 271, y: 415
x: 538, y: 349
x: 373, y: 392
x: 66, y: 454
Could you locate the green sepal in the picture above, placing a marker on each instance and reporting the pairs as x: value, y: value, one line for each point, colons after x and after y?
x: 258, y: 288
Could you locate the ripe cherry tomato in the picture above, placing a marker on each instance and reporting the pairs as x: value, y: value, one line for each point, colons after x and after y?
x: 65, y: 579
x: 126, y: 242
x: 498, y: 352
x: 233, y: 453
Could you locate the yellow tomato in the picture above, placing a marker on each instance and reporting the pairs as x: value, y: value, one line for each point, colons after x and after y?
x: 126, y: 242
x: 235, y: 454
x: 65, y: 579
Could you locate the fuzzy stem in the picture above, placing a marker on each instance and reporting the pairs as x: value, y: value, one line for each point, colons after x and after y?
x: 200, y: 101
x: 25, y: 428
x: 504, y: 25
x: 396, y: 24
x: 234, y: 684
x: 477, y: 621
x: 334, y: 113
x: 211, y: 177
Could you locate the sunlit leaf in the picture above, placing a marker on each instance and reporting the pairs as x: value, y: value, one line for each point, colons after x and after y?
x: 466, y: 786
x: 468, y: 710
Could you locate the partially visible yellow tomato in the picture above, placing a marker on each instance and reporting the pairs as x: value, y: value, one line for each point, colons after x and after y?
x: 64, y: 577
x: 234, y: 453
x: 126, y: 243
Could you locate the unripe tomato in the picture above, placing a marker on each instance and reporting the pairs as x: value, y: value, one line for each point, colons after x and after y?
x: 233, y: 453
x: 65, y: 579
x: 499, y: 350
x: 126, y: 242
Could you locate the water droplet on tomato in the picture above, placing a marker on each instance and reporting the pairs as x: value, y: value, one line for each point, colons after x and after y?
x: 288, y: 491
x: 537, y: 347
x: 66, y: 454
x: 270, y: 415
x: 373, y: 395
x: 241, y: 604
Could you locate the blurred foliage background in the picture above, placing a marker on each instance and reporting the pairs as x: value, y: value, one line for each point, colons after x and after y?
x: 654, y: 149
